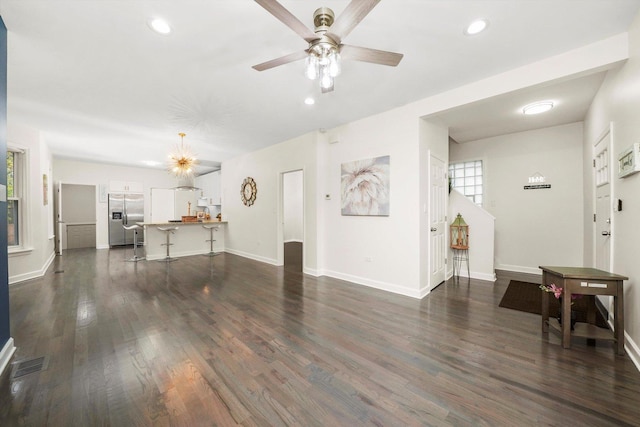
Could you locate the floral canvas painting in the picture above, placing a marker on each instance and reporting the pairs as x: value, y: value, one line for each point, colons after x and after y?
x: 365, y: 187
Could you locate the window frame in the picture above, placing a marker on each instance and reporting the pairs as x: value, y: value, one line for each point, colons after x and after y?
x: 20, y: 195
x: 465, y: 164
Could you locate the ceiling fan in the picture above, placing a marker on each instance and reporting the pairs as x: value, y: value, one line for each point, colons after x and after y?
x: 326, y: 49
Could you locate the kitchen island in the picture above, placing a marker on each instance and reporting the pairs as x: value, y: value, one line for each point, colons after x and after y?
x: 189, y: 239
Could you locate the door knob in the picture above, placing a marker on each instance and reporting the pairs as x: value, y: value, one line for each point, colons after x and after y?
x: 606, y: 233
x: 434, y: 229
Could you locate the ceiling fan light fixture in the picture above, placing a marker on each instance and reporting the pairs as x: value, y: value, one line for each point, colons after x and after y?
x: 323, y: 62
x: 537, y: 108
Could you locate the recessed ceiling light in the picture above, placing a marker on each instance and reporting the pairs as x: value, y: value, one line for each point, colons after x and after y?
x: 476, y: 27
x: 537, y: 107
x: 160, y: 26
x: 309, y: 101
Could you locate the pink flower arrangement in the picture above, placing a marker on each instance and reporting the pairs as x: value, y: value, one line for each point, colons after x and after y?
x: 557, y: 292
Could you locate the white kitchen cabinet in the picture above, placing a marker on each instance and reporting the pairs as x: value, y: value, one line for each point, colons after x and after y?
x: 126, y: 187
x: 81, y: 236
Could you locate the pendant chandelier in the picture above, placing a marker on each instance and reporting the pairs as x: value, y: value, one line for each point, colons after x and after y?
x: 181, y: 160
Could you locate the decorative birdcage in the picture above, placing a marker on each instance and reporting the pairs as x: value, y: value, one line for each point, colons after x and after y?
x: 459, y: 233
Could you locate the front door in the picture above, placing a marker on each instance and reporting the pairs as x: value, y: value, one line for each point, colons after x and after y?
x: 437, y: 221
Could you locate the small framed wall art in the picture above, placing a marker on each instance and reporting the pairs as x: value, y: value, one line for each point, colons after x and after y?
x: 629, y: 161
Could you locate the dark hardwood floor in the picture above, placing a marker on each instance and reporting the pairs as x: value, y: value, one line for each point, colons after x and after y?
x: 293, y: 256
x: 229, y: 341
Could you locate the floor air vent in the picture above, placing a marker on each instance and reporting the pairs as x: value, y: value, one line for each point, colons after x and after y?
x: 30, y: 366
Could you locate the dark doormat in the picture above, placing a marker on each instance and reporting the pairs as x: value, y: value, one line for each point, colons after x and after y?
x: 523, y: 296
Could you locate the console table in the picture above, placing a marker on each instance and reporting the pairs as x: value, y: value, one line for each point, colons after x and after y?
x: 585, y: 281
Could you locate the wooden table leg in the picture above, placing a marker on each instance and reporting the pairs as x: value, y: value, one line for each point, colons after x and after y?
x: 545, y: 305
x: 566, y: 317
x: 618, y: 321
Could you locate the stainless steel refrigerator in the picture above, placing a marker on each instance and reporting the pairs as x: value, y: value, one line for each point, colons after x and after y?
x: 125, y: 209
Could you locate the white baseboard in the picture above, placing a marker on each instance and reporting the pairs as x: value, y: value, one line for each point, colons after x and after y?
x: 484, y: 276
x: 254, y: 257
x: 311, y: 272
x: 389, y: 287
x: 5, y: 354
x: 632, y: 350
x: 177, y: 255
x: 103, y: 247
x: 519, y: 269
x: 33, y: 274
x: 490, y: 277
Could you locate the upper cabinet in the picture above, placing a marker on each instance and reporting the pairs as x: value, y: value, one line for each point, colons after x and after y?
x: 126, y: 187
x: 210, y: 185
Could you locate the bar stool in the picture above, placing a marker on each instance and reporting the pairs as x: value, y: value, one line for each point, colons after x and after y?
x: 168, y: 231
x: 211, y: 229
x: 135, y: 228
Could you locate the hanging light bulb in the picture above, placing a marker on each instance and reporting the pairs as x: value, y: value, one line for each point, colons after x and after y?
x: 312, y: 67
x: 334, y: 64
x: 326, y: 81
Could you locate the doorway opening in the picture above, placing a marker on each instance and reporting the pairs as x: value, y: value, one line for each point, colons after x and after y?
x: 75, y: 208
x: 293, y: 220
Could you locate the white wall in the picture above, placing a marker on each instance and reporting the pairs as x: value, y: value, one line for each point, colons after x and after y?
x: 293, y: 207
x: 618, y: 103
x: 256, y: 231
x: 78, y: 172
x: 533, y: 227
x: 38, y: 238
x: 481, y: 237
x: 381, y: 252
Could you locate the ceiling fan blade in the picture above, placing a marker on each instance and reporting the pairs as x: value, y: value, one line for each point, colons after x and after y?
x: 281, y: 61
x: 287, y: 18
x: 365, y: 54
x: 350, y: 17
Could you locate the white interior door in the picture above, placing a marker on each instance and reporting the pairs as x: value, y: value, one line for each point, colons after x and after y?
x: 437, y: 221
x: 603, y: 219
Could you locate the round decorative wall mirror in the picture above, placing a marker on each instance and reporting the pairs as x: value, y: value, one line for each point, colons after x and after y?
x: 248, y: 191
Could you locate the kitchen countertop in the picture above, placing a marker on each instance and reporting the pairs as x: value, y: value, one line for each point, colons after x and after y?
x: 182, y: 223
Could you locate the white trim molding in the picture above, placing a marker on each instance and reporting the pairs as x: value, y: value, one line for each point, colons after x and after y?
x: 5, y: 354
x: 33, y: 274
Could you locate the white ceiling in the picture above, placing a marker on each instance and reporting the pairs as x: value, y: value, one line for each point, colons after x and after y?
x: 101, y: 85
